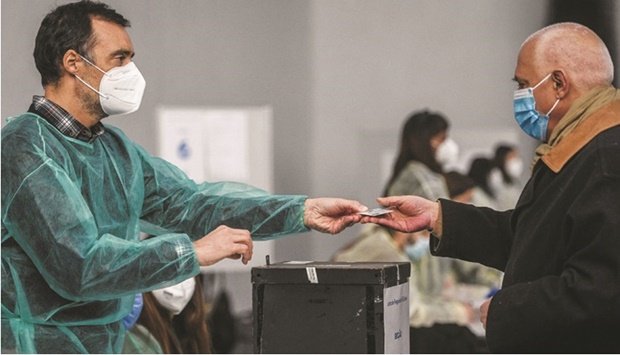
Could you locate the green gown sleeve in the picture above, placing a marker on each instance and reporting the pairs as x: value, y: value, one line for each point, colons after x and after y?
x: 45, y: 213
x: 177, y: 204
x: 71, y: 252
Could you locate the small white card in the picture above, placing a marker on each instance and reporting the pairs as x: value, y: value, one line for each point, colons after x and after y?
x: 376, y: 212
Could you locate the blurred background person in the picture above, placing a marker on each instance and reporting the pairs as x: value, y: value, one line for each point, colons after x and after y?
x: 376, y: 243
x: 379, y: 244
x: 460, y: 187
x: 510, y: 165
x: 475, y: 283
x: 438, y: 322
x: 424, y: 149
x: 173, y: 321
x: 483, y: 174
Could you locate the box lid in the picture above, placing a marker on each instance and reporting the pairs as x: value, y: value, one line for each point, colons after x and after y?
x: 337, y: 273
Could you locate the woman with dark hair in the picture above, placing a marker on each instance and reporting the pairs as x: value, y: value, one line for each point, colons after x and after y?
x: 460, y: 187
x: 485, y: 176
x: 424, y: 148
x: 438, y: 321
x: 510, y: 165
x: 504, y: 154
x: 173, y: 321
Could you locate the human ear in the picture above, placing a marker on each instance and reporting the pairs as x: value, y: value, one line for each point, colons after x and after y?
x: 561, y: 85
x: 70, y: 60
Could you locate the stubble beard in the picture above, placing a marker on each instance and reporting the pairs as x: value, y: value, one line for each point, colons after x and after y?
x: 89, y: 100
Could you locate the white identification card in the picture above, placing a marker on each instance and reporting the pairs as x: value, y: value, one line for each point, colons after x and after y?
x: 376, y: 212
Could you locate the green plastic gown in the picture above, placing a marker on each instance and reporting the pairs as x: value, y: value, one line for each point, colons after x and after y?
x: 72, y: 259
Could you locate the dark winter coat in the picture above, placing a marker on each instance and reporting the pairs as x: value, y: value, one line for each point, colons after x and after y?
x: 559, y: 247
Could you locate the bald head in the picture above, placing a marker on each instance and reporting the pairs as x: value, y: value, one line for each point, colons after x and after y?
x: 573, y: 48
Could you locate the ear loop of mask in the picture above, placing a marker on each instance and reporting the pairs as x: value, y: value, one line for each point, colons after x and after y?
x: 553, y: 107
x: 537, y: 85
x: 556, y: 102
x: 87, y: 84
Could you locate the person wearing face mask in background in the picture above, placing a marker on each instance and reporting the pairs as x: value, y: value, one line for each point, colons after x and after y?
x: 559, y: 247
x: 507, y: 185
x: 485, y: 177
x: 438, y: 321
x: 475, y: 282
x: 468, y: 283
x: 76, y: 193
x: 173, y: 321
x: 379, y: 244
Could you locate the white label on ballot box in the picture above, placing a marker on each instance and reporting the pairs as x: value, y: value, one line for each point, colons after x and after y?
x: 396, y: 317
x: 312, y: 275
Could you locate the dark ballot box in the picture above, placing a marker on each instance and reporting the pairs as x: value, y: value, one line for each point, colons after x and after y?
x: 331, y: 307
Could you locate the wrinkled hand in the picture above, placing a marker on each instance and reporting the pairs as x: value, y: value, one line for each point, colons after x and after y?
x: 484, y: 310
x: 224, y: 242
x: 410, y: 213
x: 331, y: 215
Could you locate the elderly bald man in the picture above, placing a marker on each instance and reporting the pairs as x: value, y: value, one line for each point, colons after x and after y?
x: 560, y: 246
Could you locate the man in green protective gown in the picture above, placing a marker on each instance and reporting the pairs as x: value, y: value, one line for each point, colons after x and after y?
x: 76, y: 194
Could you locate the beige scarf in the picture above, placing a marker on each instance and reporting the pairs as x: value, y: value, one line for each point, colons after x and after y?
x: 579, y: 111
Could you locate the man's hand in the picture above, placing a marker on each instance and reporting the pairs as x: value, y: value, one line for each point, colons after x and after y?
x: 224, y: 242
x: 410, y: 213
x: 332, y: 215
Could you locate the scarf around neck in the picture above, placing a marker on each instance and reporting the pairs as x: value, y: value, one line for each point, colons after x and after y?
x: 578, y: 112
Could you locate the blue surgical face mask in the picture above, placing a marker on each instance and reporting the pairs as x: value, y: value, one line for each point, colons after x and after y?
x: 418, y: 249
x: 530, y: 120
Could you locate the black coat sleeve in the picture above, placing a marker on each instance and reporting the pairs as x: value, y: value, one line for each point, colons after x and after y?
x: 577, y: 310
x: 477, y: 234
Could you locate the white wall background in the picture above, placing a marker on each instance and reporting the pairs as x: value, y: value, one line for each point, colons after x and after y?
x: 341, y: 77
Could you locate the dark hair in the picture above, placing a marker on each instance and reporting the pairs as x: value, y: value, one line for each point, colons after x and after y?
x: 415, y: 142
x: 185, y: 333
x: 500, y: 161
x: 458, y: 183
x: 479, y: 171
x: 68, y: 27
x: 191, y: 324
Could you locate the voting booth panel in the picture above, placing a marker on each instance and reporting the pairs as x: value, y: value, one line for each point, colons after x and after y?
x: 331, y: 307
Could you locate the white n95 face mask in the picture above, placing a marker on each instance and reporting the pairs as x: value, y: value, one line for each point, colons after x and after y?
x: 176, y: 297
x: 447, y: 153
x: 120, y: 90
x: 496, y: 180
x: 514, y: 167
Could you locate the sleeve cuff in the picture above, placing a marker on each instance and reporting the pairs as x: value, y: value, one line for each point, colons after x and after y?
x: 438, y: 230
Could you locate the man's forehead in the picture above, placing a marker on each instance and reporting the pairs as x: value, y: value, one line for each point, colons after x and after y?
x: 524, y: 68
x: 111, y: 37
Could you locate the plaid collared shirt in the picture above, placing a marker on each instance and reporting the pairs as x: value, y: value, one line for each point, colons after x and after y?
x: 63, y: 121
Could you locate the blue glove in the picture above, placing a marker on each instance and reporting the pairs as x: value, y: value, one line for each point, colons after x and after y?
x: 492, y: 292
x: 132, y: 317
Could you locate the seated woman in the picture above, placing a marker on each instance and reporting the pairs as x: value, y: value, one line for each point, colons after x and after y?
x: 173, y: 321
